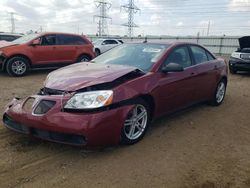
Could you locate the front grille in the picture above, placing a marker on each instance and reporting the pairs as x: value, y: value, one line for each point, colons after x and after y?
x: 245, y: 56
x: 48, y: 91
x: 43, y: 107
x: 72, y: 139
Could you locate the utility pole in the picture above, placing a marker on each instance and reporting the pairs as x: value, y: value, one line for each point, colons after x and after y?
x: 103, y: 17
x: 208, y: 28
x: 12, y: 22
x: 131, y: 9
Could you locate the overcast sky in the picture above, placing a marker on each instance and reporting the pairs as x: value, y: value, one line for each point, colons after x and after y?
x: 157, y: 17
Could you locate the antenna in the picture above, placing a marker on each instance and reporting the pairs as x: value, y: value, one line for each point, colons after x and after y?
x: 131, y: 9
x: 102, y: 22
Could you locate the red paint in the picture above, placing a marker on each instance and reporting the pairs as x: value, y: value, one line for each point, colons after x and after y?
x: 45, y: 55
x: 169, y: 91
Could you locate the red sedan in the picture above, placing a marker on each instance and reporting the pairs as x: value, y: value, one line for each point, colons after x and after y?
x: 113, y: 98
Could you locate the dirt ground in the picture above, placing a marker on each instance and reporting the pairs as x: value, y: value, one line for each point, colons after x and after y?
x: 202, y: 147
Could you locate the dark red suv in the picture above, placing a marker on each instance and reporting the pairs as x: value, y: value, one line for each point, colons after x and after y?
x: 45, y: 50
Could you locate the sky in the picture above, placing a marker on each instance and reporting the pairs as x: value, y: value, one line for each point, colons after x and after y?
x: 156, y: 17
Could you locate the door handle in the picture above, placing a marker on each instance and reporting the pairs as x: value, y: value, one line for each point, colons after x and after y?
x: 215, y: 67
x: 192, y: 73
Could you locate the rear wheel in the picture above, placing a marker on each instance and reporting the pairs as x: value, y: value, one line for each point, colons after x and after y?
x: 219, y: 94
x: 84, y: 58
x: 97, y: 52
x: 136, y: 124
x: 17, y: 66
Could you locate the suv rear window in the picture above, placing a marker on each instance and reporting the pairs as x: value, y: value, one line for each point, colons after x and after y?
x: 70, y: 40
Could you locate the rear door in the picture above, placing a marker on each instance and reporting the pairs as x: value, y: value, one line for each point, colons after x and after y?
x: 67, y: 48
x: 206, y: 70
x: 177, y: 88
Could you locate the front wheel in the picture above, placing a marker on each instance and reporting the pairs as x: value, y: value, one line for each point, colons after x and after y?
x: 136, y: 124
x: 219, y: 94
x: 232, y: 71
x: 17, y: 66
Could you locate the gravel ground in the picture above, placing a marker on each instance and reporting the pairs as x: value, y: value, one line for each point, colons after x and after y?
x: 201, y: 147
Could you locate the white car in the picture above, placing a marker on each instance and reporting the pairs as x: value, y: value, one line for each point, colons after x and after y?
x: 103, y: 45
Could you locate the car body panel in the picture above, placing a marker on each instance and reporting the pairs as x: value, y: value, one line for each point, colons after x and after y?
x: 80, y: 76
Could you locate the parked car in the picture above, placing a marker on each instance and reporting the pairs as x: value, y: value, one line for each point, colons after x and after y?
x: 114, y: 98
x: 103, y: 45
x: 9, y: 36
x: 44, y: 50
x: 240, y: 60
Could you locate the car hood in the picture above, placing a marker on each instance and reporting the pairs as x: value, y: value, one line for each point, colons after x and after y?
x: 4, y: 44
x: 82, y: 75
x: 244, y: 42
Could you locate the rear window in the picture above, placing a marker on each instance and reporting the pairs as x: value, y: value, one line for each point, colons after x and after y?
x: 200, y: 55
x: 70, y: 40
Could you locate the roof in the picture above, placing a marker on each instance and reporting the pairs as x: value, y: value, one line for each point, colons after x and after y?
x: 56, y: 33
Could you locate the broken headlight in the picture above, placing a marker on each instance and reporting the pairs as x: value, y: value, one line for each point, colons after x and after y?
x: 90, y: 100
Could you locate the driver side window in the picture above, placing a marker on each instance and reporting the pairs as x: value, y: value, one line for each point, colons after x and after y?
x: 48, y: 40
x: 181, y: 56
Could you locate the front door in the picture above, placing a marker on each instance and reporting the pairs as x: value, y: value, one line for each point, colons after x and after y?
x: 176, y: 89
x: 44, y: 53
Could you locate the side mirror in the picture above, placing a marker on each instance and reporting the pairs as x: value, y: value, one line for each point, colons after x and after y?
x: 35, y: 42
x: 172, y: 67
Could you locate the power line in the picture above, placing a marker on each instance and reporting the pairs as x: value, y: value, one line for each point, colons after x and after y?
x: 102, y: 17
x: 132, y: 9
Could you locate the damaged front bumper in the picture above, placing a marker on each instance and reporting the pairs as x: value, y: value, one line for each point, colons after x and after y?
x: 43, y: 117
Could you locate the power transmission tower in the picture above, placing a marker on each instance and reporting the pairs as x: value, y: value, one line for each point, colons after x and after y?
x: 103, y: 17
x: 12, y: 22
x: 131, y: 9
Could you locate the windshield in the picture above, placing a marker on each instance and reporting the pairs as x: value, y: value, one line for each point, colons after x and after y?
x: 142, y: 56
x: 25, y: 38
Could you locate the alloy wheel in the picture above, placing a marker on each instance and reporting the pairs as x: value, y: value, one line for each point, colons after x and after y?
x: 19, y: 67
x: 136, y: 122
x: 220, y: 94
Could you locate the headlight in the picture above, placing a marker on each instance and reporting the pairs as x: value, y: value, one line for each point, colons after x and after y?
x: 236, y: 55
x: 90, y: 100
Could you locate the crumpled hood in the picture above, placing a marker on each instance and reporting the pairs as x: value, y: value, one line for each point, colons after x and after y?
x: 244, y: 42
x: 81, y: 75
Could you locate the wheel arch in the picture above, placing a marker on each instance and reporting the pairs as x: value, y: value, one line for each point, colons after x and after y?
x: 84, y: 54
x: 16, y: 55
x: 150, y: 101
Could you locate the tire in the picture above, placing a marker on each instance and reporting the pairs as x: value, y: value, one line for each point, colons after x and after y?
x: 83, y: 58
x: 232, y: 71
x: 17, y: 66
x: 133, y: 129
x: 219, y: 93
x: 97, y: 52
